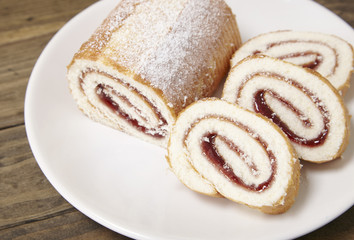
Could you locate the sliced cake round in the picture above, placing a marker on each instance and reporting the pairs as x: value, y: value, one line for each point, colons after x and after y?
x: 329, y: 55
x: 217, y: 148
x: 300, y: 101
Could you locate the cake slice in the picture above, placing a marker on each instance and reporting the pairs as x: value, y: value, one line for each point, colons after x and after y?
x: 217, y: 148
x: 329, y: 55
x: 300, y: 101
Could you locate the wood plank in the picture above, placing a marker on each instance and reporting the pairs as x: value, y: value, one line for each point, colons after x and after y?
x: 344, y: 9
x: 18, y: 59
x: 20, y: 14
x: 69, y: 226
x: 24, y: 21
x: 26, y: 194
x: 25, y: 30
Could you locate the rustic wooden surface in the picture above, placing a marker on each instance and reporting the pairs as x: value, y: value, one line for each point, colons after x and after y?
x: 30, y: 208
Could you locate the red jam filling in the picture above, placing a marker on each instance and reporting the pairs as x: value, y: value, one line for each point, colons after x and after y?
x: 260, y: 106
x: 117, y: 109
x: 209, y: 149
x: 157, y: 132
x: 313, y: 64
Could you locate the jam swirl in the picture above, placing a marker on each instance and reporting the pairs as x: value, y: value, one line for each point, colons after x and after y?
x: 260, y: 106
x: 318, y: 57
x: 157, y: 132
x: 211, y: 152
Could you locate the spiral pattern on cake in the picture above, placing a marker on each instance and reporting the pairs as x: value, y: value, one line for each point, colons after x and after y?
x: 150, y: 59
x: 217, y: 148
x: 329, y: 55
x: 300, y: 101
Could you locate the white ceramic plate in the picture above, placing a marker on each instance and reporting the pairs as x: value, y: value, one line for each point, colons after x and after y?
x: 125, y: 184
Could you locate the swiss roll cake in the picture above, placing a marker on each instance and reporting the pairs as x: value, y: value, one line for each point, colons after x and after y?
x: 329, y: 55
x: 299, y: 100
x: 150, y: 59
x: 220, y: 149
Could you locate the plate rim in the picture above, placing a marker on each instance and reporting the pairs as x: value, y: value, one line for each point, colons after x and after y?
x: 57, y: 185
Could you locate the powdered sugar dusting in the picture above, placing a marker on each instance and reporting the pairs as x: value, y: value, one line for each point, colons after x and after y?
x: 170, y: 44
x: 104, y: 32
x: 181, y: 55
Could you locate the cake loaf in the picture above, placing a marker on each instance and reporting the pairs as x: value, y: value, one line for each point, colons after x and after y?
x: 217, y: 148
x: 300, y: 101
x: 329, y: 55
x: 151, y: 58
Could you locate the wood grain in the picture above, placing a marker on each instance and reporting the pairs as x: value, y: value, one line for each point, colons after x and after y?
x: 30, y: 208
x: 25, y: 29
x: 25, y: 194
x: 342, y: 8
x: 69, y: 225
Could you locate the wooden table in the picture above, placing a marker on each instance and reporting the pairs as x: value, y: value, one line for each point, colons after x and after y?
x: 30, y: 208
